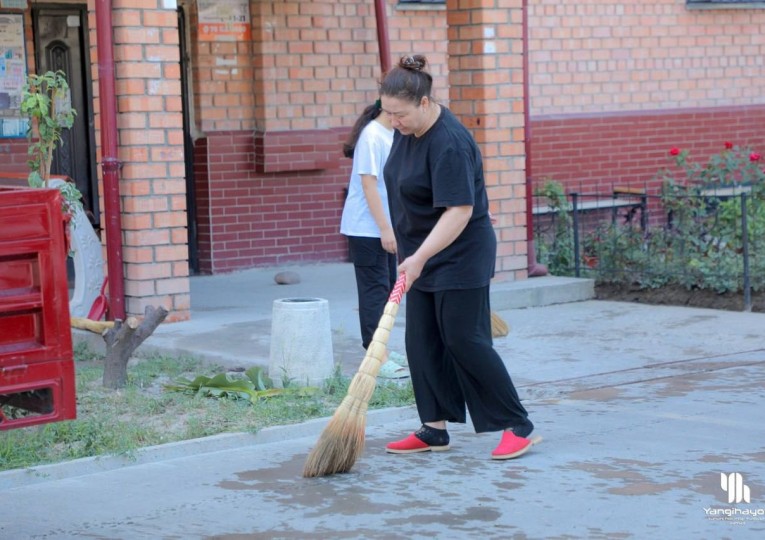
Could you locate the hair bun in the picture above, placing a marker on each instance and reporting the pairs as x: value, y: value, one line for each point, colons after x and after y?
x: 413, y: 62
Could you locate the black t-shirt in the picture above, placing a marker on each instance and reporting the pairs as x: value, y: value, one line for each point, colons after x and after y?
x: 425, y: 176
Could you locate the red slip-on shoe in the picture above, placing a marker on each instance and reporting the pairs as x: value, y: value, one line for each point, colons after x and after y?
x: 512, y: 446
x: 411, y: 445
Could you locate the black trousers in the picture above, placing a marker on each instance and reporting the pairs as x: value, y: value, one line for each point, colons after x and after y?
x: 453, y: 362
x: 375, y: 276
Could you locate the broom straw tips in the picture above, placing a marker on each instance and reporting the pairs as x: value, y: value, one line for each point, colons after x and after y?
x: 499, y: 327
x: 342, y: 441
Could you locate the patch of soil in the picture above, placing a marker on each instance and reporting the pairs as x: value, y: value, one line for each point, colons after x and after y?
x: 674, y: 295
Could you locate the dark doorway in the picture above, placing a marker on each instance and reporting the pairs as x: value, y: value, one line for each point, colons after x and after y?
x: 61, y: 43
x: 188, y: 146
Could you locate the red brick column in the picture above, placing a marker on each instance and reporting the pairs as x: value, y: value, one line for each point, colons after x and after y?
x: 150, y: 130
x: 486, y: 93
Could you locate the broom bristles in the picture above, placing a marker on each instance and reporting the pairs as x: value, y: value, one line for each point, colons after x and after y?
x: 342, y: 441
x: 499, y: 327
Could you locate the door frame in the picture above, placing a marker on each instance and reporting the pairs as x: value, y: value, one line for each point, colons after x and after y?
x: 87, y: 84
x: 188, y: 140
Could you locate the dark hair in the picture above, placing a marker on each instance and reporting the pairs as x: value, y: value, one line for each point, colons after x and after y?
x: 369, y: 114
x: 408, y: 80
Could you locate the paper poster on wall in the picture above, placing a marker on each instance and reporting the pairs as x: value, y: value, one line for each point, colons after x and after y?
x: 13, y: 73
x: 224, y: 20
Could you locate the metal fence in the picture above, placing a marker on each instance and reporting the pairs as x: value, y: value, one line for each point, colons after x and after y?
x: 697, y: 238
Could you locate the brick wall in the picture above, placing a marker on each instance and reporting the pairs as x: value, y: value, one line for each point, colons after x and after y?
x: 13, y: 155
x: 270, y: 112
x: 420, y: 29
x: 486, y: 63
x: 595, y: 153
x: 310, y: 65
x: 269, y: 170
x: 594, y: 65
x: 614, y: 85
x: 256, y: 218
x: 604, y: 55
x: 150, y: 130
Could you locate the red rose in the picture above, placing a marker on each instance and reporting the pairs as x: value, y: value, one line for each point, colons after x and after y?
x: 728, y: 145
x: 674, y: 152
x: 754, y: 156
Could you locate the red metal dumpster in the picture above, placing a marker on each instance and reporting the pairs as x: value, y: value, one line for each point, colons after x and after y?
x: 36, y: 360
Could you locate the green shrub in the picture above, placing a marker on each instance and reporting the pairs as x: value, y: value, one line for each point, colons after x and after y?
x: 700, y: 246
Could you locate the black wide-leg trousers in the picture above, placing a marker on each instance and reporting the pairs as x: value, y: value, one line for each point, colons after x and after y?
x: 375, y: 276
x: 453, y: 363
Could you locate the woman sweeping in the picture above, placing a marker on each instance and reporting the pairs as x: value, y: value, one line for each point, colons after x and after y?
x: 437, y: 195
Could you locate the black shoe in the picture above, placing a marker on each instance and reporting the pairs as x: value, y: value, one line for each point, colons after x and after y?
x: 523, y: 430
x: 432, y: 436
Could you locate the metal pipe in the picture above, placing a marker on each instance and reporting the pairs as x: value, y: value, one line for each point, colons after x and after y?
x: 110, y: 162
x: 382, y: 36
x: 575, y: 211
x: 535, y: 269
x: 745, y: 254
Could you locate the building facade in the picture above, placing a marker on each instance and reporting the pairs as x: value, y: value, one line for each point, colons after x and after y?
x: 231, y: 114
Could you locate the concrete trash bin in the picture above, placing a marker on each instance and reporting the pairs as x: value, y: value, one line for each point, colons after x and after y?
x: 301, y: 342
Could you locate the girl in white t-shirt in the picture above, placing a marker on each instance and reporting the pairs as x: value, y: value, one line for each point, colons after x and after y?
x: 367, y: 224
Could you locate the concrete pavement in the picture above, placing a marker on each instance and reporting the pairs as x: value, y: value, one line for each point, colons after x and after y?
x: 642, y: 408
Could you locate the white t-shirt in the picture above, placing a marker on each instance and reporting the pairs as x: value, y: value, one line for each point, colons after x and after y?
x: 369, y: 157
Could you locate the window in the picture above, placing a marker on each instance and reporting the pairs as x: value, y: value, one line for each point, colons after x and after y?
x: 730, y: 4
x: 421, y: 5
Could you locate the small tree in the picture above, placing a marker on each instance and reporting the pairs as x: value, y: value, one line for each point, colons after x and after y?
x: 45, y: 100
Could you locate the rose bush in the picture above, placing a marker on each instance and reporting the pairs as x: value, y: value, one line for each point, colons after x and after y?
x: 695, y: 238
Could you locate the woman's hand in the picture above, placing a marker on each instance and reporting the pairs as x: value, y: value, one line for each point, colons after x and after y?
x: 388, y: 240
x: 412, y: 267
x: 374, y: 202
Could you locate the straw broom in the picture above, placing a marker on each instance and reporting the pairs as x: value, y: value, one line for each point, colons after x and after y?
x: 342, y: 441
x: 499, y: 327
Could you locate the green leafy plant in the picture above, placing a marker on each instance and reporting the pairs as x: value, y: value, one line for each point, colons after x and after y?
x: 593, y: 245
x: 624, y: 256
x: 733, y: 166
x: 254, y: 385
x: 694, y: 237
x: 46, y: 102
x: 555, y: 249
x: 701, y: 246
x: 705, y: 204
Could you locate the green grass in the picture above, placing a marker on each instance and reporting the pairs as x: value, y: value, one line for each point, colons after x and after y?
x: 119, y: 422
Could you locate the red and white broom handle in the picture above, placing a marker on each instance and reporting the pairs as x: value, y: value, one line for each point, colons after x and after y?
x: 398, y: 289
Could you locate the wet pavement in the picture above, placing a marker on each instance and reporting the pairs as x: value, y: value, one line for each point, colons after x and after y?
x: 641, y: 408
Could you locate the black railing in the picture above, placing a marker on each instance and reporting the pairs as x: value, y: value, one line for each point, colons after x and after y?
x: 699, y: 239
